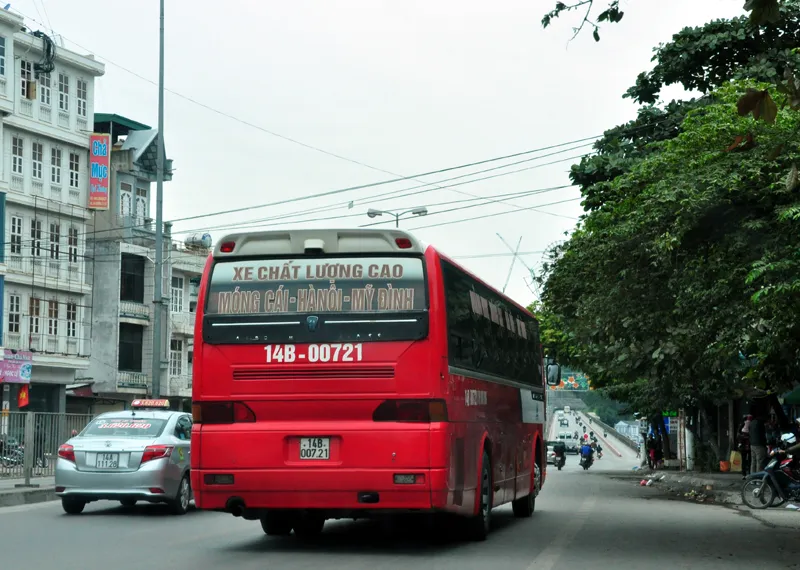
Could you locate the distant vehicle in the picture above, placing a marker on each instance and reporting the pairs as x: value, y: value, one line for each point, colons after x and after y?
x: 560, y: 413
x: 569, y: 441
x: 140, y: 454
x: 563, y: 422
x: 551, y: 454
x: 566, y: 409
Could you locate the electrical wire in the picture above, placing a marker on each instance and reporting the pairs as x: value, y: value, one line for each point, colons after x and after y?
x: 492, y: 215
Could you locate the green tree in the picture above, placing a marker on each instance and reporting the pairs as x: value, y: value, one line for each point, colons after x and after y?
x: 761, y: 12
x: 656, y: 289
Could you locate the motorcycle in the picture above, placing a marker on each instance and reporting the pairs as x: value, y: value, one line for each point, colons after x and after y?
x: 776, y: 484
x: 561, y: 460
x: 586, y: 461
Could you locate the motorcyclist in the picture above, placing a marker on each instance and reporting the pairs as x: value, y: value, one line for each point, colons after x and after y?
x: 586, y: 451
x: 560, y: 449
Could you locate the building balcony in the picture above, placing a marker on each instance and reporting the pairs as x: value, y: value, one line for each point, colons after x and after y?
x: 134, y: 310
x: 43, y: 343
x: 44, y: 271
x: 128, y: 381
x: 183, y: 322
x: 180, y: 386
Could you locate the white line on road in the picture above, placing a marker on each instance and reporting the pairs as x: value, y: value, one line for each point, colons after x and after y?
x: 548, y: 558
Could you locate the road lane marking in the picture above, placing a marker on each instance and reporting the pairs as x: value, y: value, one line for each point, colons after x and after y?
x: 548, y: 558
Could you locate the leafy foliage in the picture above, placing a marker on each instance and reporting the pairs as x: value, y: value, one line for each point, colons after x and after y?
x: 762, y: 12
x: 655, y: 290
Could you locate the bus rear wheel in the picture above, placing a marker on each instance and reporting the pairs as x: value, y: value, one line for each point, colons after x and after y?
x: 479, y: 525
x: 276, y: 524
x: 524, y: 507
x: 308, y: 526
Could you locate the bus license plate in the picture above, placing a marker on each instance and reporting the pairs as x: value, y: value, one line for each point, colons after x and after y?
x: 334, y: 352
x: 315, y: 448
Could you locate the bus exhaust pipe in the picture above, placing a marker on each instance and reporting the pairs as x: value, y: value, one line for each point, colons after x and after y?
x: 235, y: 506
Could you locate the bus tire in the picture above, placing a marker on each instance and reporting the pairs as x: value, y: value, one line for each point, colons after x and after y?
x: 276, y: 524
x: 479, y: 525
x: 308, y: 526
x: 524, y: 507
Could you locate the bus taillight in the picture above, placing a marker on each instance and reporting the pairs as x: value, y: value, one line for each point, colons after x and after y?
x: 421, y: 411
x: 222, y: 413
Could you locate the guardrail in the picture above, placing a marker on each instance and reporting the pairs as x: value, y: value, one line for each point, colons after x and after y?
x: 621, y: 438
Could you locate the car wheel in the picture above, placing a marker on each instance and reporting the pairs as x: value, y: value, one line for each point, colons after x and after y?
x: 180, y: 504
x: 72, y: 506
x: 479, y: 525
x: 128, y: 503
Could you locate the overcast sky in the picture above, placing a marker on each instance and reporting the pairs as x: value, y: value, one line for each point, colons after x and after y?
x: 401, y: 87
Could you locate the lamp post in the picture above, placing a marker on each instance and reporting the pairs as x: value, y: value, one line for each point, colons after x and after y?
x: 158, y: 301
x: 421, y: 211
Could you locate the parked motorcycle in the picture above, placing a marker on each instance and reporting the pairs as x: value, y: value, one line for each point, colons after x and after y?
x: 776, y: 484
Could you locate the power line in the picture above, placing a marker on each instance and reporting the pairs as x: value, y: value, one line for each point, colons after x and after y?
x: 492, y: 215
x: 500, y: 254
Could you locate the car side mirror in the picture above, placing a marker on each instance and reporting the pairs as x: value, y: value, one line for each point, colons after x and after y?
x: 553, y: 374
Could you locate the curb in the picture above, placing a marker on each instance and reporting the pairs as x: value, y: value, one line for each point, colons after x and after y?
x: 27, y: 496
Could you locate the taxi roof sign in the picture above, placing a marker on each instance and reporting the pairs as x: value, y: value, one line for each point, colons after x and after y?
x: 159, y: 404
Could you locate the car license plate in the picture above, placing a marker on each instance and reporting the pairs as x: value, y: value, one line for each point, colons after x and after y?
x: 315, y: 448
x: 107, y: 460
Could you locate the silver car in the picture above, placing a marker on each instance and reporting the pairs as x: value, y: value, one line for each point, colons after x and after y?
x: 140, y: 454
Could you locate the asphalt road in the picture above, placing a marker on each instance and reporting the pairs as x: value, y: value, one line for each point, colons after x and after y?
x: 585, y: 520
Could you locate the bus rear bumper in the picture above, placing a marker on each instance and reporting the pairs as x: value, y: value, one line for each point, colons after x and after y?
x: 340, y: 490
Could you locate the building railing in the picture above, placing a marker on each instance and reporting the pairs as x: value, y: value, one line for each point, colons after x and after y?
x: 134, y: 310
x: 183, y: 322
x: 29, y: 442
x: 129, y: 379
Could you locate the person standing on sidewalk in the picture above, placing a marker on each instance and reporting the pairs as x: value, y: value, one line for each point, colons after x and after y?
x: 758, y: 442
x: 744, y: 445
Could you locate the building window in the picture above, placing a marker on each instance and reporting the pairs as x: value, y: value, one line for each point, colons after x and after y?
x: 55, y: 240
x: 17, y: 155
x: 2, y: 56
x: 177, y: 295
x: 175, y: 357
x: 72, y: 320
x: 141, y: 205
x: 16, y: 235
x: 74, y: 168
x: 80, y: 93
x: 36, y: 238
x: 130, y: 347
x: 52, y: 318
x: 44, y: 89
x: 63, y: 92
x: 37, y: 152
x: 72, y: 243
x: 25, y: 76
x: 125, y: 199
x: 131, y: 284
x: 55, y: 166
x: 13, y: 313
x: 33, y: 315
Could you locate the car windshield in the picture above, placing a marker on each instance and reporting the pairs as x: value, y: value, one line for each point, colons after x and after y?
x: 124, y: 427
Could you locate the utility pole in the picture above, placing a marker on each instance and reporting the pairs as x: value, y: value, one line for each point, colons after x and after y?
x: 159, y: 264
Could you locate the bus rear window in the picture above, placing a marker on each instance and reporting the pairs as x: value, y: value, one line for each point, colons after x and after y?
x: 341, y: 299
x: 328, y: 285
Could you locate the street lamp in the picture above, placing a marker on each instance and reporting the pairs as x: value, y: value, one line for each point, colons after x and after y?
x: 421, y: 211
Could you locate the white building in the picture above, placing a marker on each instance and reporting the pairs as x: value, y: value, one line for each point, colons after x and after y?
x: 46, y: 103
x: 123, y: 284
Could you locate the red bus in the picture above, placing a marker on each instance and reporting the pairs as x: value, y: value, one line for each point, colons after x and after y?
x: 356, y: 373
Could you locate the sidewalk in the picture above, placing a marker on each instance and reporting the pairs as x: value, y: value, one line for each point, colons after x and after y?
x: 11, y: 495
x: 720, y: 488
